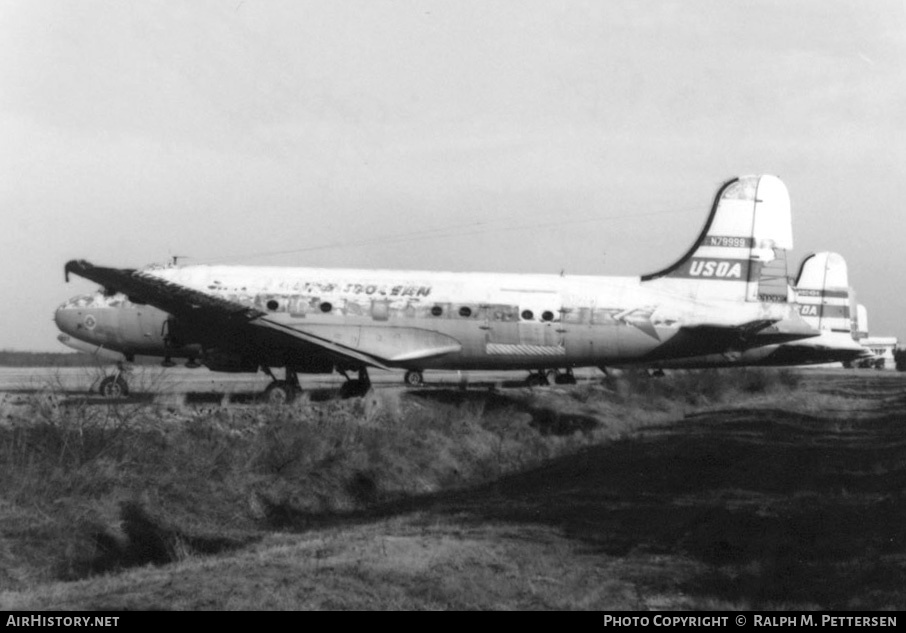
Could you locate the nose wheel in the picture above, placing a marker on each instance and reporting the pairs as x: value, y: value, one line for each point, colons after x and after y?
x: 114, y: 387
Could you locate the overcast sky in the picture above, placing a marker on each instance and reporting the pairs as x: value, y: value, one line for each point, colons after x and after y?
x: 508, y: 136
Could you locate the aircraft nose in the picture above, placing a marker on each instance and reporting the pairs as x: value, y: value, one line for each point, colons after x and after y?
x: 66, y: 318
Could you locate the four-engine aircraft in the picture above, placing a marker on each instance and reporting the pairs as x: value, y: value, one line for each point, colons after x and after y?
x: 310, y: 320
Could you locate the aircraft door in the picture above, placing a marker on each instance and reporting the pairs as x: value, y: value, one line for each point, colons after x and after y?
x: 540, y: 320
x: 532, y: 322
x: 502, y: 324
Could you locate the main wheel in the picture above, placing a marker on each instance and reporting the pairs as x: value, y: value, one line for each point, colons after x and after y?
x: 414, y: 378
x: 537, y: 380
x: 279, y: 392
x: 354, y: 388
x: 114, y: 387
x: 565, y: 379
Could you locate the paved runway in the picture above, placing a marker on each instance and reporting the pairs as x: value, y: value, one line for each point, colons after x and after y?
x: 175, y: 380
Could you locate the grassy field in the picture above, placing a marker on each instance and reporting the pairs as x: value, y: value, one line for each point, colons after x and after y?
x: 699, y: 490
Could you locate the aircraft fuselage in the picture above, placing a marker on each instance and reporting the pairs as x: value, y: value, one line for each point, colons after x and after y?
x: 429, y: 319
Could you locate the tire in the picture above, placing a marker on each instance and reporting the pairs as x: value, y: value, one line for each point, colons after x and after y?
x: 565, y: 379
x: 537, y: 380
x: 414, y: 378
x: 279, y: 392
x: 114, y: 387
x: 354, y: 389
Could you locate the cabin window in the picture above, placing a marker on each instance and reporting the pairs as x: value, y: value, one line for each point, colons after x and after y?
x: 272, y: 305
x: 437, y: 311
x: 575, y: 315
x: 380, y: 310
x: 298, y: 306
x: 465, y: 311
x: 326, y: 307
x: 356, y: 308
x: 603, y: 316
x: 527, y: 315
x: 547, y: 315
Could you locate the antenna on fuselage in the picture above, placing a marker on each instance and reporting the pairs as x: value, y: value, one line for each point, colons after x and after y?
x: 174, y: 259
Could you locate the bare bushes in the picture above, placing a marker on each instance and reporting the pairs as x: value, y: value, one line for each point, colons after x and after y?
x: 346, y: 455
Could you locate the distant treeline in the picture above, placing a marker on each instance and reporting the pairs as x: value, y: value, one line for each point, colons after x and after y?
x: 10, y: 358
x: 46, y: 359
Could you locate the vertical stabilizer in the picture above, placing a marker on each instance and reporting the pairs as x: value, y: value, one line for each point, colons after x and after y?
x: 823, y: 293
x: 740, y: 253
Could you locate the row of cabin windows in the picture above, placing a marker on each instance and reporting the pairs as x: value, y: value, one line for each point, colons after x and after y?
x: 381, y: 311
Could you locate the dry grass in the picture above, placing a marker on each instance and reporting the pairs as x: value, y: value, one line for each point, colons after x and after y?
x: 689, y: 491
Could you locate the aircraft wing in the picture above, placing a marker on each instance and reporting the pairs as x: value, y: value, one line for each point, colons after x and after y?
x: 233, y: 321
x: 178, y: 300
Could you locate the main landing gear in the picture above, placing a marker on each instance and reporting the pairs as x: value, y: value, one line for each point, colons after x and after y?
x: 285, y: 391
x: 565, y: 377
x: 537, y: 379
x: 281, y: 391
x: 356, y: 388
x: 414, y: 378
x: 541, y: 378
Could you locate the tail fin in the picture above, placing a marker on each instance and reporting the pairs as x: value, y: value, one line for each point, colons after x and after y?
x: 740, y: 253
x: 824, y: 297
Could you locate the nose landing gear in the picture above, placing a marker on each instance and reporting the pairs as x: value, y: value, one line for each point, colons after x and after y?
x: 115, y: 385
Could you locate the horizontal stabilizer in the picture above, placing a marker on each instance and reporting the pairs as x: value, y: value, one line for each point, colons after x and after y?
x: 703, y: 339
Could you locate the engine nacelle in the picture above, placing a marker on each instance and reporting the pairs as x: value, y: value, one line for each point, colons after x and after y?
x: 177, y: 334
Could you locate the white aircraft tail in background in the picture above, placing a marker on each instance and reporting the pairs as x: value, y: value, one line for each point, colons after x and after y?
x: 880, y: 351
x: 823, y: 293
